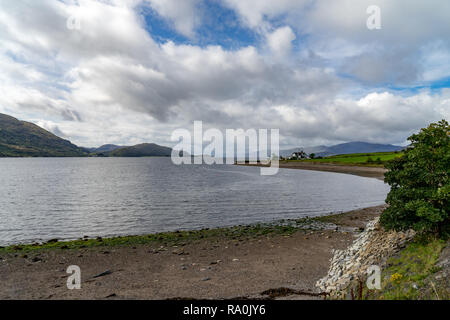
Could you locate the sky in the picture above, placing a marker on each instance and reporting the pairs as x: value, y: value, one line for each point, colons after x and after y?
x: 132, y: 71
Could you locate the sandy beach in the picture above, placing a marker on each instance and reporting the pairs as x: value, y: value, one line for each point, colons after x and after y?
x: 210, y: 268
x: 363, y: 171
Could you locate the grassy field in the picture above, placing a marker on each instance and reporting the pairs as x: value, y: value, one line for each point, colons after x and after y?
x: 375, y: 159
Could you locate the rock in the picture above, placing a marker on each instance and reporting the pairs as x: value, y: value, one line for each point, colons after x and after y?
x: 443, y: 263
x: 372, y: 246
x: 206, y: 279
x: 102, y: 274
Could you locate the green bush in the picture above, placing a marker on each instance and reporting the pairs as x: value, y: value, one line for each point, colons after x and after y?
x: 419, y: 180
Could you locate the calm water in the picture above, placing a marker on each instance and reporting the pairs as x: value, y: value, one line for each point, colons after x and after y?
x: 68, y: 198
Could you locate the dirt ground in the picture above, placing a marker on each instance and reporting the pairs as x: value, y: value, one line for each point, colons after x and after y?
x: 213, y: 268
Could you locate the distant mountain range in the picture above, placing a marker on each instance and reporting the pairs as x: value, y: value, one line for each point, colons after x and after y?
x: 25, y: 139
x: 344, y: 148
x: 104, y: 148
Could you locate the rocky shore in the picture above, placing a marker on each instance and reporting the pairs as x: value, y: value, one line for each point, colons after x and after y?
x: 373, y: 246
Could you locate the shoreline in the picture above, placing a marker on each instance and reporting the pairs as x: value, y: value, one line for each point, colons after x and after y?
x: 280, y: 226
x: 280, y: 260
x: 359, y: 170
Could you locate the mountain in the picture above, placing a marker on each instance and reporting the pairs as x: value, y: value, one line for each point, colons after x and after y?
x: 141, y: 150
x: 345, y: 148
x: 25, y: 139
x: 104, y: 148
x: 360, y: 147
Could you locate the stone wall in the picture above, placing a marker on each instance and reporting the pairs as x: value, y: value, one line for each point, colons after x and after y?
x: 374, y: 246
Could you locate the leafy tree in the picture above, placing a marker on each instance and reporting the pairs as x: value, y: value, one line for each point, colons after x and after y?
x: 312, y: 155
x: 420, y: 186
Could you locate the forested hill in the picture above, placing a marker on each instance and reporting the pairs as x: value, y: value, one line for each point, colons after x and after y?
x: 25, y: 139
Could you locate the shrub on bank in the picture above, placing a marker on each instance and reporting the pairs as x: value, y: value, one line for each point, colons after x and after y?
x: 419, y: 180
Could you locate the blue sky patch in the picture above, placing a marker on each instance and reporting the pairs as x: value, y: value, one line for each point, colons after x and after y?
x: 220, y: 26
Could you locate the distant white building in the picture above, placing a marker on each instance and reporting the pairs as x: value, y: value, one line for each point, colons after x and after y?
x: 299, y: 155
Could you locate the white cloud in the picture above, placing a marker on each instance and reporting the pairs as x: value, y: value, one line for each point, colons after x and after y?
x: 109, y: 82
x: 336, y: 30
x: 280, y: 41
x: 376, y: 117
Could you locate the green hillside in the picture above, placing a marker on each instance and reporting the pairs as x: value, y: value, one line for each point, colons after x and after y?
x: 142, y: 150
x: 25, y: 139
